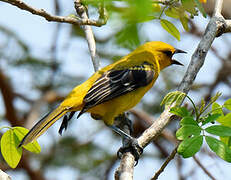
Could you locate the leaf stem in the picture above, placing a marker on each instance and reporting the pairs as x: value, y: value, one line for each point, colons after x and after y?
x: 194, y: 106
x: 162, y: 11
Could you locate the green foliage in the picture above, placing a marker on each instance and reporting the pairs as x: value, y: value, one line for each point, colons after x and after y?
x: 137, y: 11
x: 10, y: 152
x: 227, y: 104
x: 170, y: 28
x: 180, y: 111
x: 225, y: 120
x: 210, y: 118
x: 219, y: 130
x: 181, y: 12
x: 128, y: 37
x: 173, y: 97
x: 200, y: 7
x: 9, y: 145
x: 20, y: 132
x: 184, y: 21
x: 196, y: 126
x: 190, y: 146
x: 226, y: 140
x: 217, y: 109
x: 188, y: 130
x: 220, y: 148
x: 172, y: 12
x: 188, y: 120
x: 189, y: 6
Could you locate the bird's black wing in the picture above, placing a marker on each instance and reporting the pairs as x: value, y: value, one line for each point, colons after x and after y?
x: 115, y: 83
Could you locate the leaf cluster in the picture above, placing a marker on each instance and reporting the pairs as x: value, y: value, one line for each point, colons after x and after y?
x: 136, y: 11
x: 9, y: 145
x: 198, y: 125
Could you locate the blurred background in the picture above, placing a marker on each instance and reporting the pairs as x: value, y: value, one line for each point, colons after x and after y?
x: 41, y: 61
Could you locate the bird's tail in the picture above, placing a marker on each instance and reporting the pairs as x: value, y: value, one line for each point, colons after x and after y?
x: 40, y: 127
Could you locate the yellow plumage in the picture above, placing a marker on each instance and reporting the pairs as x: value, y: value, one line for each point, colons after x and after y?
x: 113, y: 89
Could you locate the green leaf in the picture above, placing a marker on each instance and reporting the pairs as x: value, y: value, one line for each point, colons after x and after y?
x: 225, y: 120
x: 170, y: 28
x: 187, y: 130
x: 128, y: 37
x: 156, y: 7
x: 190, y: 146
x: 220, y: 148
x: 175, y: 96
x: 20, y: 132
x: 10, y: 152
x: 227, y: 104
x: 180, y: 111
x: 210, y: 118
x: 214, y: 98
x: 137, y: 11
x: 217, y: 109
x: 188, y: 121
x: 172, y: 12
x: 202, y: 105
x: 184, y: 21
x: 226, y: 140
x: 189, y: 6
x: 219, y: 130
x: 200, y: 7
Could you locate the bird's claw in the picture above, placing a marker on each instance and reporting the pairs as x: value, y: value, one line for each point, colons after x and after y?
x: 133, y: 147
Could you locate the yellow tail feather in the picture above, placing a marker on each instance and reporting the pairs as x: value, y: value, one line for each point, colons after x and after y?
x: 41, y: 126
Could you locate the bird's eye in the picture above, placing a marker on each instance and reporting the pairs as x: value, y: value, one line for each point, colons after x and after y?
x: 168, y: 53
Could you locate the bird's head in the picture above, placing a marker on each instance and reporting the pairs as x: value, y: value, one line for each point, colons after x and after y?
x: 164, y: 53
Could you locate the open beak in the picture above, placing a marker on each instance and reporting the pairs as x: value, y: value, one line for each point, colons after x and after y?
x: 175, y: 61
x: 179, y: 51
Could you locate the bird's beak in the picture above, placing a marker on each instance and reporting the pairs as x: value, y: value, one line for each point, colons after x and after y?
x: 176, y: 52
x: 176, y: 62
x: 179, y: 51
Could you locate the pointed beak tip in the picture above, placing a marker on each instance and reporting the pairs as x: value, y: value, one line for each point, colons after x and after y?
x: 179, y: 51
x: 176, y: 62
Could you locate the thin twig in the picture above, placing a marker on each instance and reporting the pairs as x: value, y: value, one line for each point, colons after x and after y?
x: 82, y: 12
x: 203, y: 168
x: 49, y: 17
x: 179, y: 165
x: 218, y: 8
x: 171, y: 157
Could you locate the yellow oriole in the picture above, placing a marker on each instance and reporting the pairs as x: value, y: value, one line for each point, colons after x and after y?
x: 113, y: 89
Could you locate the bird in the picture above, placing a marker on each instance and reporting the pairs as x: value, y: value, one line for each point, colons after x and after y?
x: 113, y: 89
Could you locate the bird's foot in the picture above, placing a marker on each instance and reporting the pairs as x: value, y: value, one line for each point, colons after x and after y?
x: 133, y: 147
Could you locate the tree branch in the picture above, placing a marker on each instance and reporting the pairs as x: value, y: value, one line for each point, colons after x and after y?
x: 171, y: 157
x: 203, y: 168
x: 215, y: 27
x: 228, y: 24
x: 4, y: 176
x: 82, y: 12
x: 8, y: 98
x: 218, y: 8
x: 64, y: 19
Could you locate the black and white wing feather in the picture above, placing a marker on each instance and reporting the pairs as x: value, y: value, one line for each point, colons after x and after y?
x: 115, y: 83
